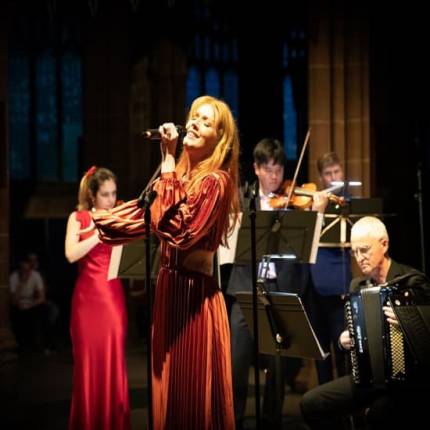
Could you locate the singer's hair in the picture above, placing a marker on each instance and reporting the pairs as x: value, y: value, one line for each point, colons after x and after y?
x: 267, y: 150
x: 326, y: 160
x: 90, y: 184
x: 225, y: 156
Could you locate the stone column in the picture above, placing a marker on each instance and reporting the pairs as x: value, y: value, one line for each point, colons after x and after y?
x: 7, y: 340
x: 339, y: 91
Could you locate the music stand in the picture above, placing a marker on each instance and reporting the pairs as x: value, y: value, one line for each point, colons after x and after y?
x: 337, y: 229
x: 128, y: 261
x: 281, y: 234
x: 278, y: 235
x: 297, y: 337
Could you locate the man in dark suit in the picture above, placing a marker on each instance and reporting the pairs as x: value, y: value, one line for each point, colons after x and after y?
x: 326, y: 406
x: 283, y: 276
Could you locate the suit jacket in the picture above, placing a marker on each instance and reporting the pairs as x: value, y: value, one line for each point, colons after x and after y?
x: 417, y: 280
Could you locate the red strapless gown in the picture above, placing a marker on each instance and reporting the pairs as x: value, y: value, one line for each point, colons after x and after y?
x: 98, y: 328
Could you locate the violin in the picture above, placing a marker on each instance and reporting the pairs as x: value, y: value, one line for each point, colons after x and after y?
x: 301, y: 197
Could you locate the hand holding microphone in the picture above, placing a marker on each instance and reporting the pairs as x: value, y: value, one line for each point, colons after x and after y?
x: 154, y: 133
x: 169, y: 138
x: 167, y: 134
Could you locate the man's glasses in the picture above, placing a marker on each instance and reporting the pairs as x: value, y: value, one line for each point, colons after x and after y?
x: 361, y: 250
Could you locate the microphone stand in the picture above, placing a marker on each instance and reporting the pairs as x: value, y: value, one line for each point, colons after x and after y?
x: 145, y: 201
x: 146, y: 204
x: 419, y: 198
x: 252, y: 217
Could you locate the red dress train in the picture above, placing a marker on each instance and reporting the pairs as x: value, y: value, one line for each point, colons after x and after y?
x: 98, y: 328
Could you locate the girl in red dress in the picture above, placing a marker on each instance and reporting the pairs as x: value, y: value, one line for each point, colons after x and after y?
x: 98, y: 318
x: 191, y: 366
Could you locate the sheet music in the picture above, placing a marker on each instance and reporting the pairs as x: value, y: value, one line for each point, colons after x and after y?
x: 115, y: 259
x: 227, y: 255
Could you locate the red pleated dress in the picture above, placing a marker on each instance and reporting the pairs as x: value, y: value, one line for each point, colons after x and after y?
x: 191, y: 362
x: 98, y: 328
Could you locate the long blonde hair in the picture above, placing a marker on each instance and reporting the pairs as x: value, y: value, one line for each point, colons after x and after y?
x: 224, y: 157
x: 90, y: 184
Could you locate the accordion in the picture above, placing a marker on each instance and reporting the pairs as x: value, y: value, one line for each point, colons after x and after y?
x: 380, y: 355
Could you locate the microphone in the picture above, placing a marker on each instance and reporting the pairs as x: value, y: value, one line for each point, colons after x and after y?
x: 154, y: 134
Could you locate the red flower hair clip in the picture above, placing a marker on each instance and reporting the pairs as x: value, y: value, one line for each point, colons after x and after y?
x: 90, y: 171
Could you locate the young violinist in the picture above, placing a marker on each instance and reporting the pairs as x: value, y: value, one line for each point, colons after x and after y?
x: 283, y: 276
x: 330, y: 277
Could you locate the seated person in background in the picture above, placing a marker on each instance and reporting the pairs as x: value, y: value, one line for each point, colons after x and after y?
x: 326, y: 406
x: 51, y: 311
x: 27, y: 297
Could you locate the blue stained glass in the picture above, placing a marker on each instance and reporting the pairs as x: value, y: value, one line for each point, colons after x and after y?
x: 19, y: 116
x: 46, y: 119
x: 212, y: 82
x: 198, y: 47
x: 231, y: 91
x: 193, y: 85
x: 71, y: 88
x: 207, y: 48
x: 217, y: 51
x: 235, y: 49
x: 290, y: 121
x: 225, y: 53
x: 285, y: 53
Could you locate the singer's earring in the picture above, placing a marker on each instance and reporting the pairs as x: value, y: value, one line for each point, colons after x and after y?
x: 93, y: 209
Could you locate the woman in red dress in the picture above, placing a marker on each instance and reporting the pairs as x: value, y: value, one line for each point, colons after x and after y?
x: 191, y: 366
x: 98, y: 318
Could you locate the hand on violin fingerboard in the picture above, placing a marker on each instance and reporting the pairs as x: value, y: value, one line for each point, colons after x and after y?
x: 320, y: 200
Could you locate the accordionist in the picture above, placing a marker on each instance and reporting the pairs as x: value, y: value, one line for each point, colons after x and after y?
x: 387, y: 404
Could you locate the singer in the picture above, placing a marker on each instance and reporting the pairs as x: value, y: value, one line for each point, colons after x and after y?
x: 192, y: 380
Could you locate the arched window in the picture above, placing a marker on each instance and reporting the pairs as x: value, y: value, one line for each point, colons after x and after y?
x: 294, y: 91
x: 71, y: 88
x: 46, y: 112
x: 289, y: 119
x: 212, y: 60
x: 19, y: 115
x: 45, y: 121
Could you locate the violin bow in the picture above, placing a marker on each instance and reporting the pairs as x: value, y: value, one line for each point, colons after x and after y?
x: 302, y: 153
